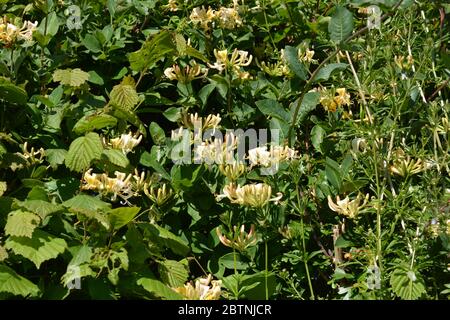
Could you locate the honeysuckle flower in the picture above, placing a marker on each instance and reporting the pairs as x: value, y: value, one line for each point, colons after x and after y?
x: 343, y: 98
x: 160, y: 195
x: 240, y: 239
x: 195, y: 122
x: 202, y: 16
x: 126, y: 142
x: 272, y: 156
x: 233, y: 170
x: 238, y: 59
x: 252, y: 195
x: 277, y: 69
x: 404, y: 165
x: 172, y: 5
x: 331, y: 102
x: 306, y: 55
x: 186, y: 74
x: 347, y: 207
x: 204, y: 289
x: 217, y: 151
x: 228, y: 18
x: 10, y: 33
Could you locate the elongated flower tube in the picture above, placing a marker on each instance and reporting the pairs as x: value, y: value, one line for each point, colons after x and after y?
x: 347, y: 207
x: 203, y: 289
x: 240, y: 240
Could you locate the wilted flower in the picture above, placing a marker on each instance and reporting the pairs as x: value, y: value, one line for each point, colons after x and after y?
x: 126, y: 142
x: 347, y: 207
x: 252, y: 195
x: 204, y: 289
x: 240, y: 240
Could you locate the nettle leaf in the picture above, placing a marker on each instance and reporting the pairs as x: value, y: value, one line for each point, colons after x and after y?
x: 120, y: 217
x: 116, y: 157
x: 124, y: 95
x: 21, y: 223
x: 39, y: 248
x: 40, y: 207
x: 173, y: 273
x: 341, y: 24
x: 15, y: 284
x: 294, y: 63
x: 153, y: 50
x: 82, y: 151
x: 325, y: 73
x: 158, y: 288
x: 407, y: 284
x: 94, y: 122
x: 71, y: 77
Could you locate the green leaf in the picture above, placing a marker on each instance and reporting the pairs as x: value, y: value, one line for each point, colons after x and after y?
x: 95, y: 78
x: 153, y: 50
x: 55, y: 157
x: 12, y: 93
x: 158, y: 288
x: 291, y: 55
x: 40, y: 207
x: 309, y: 103
x: 173, y: 114
x: 317, y: 135
x: 41, y: 247
x: 91, y: 43
x: 94, y: 122
x: 227, y: 261
x: 124, y: 95
x: 21, y: 223
x: 86, y: 204
x: 325, y: 73
x: 82, y: 151
x: 173, y: 273
x: 273, y: 108
x: 150, y: 159
x: 13, y: 283
x: 407, y: 284
x: 341, y: 24
x: 255, y: 284
x: 333, y: 173
x: 116, y: 157
x: 120, y: 217
x: 157, y: 133
x: 71, y: 77
x: 166, y: 238
x: 205, y: 92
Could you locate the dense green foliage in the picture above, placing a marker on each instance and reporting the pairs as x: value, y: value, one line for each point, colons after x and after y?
x: 93, y: 205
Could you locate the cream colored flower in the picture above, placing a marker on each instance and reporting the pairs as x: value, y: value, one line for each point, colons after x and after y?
x: 252, y: 195
x: 160, y: 195
x: 228, y: 18
x: 126, y: 142
x: 347, y: 207
x: 217, y: 151
x: 232, y: 170
x: 273, y: 156
x: 9, y: 33
x: 240, y: 240
x: 234, y: 63
x: 204, y: 289
x: 202, y: 16
x: 186, y: 74
x: 404, y: 165
x: 343, y: 98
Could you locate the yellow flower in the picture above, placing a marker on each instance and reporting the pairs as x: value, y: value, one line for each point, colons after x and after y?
x: 126, y: 142
x: 404, y: 165
x: 272, y: 156
x: 186, y: 74
x: 202, y: 16
x: 228, y: 18
x: 232, y: 171
x: 159, y: 195
x: 347, y: 207
x: 9, y: 33
x: 251, y: 195
x: 240, y: 240
x: 204, y: 289
x: 343, y: 98
x: 238, y: 59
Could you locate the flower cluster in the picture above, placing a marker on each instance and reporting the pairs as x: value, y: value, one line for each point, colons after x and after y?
x: 204, y: 289
x: 232, y: 170
x: 126, y: 142
x: 273, y: 155
x: 233, y: 63
x: 404, y: 165
x: 251, y: 195
x: 194, y: 122
x: 332, y: 100
x: 218, y: 151
x: 10, y: 33
x: 240, y: 240
x: 160, y: 195
x: 186, y: 74
x: 123, y: 185
x: 227, y: 18
x: 347, y: 207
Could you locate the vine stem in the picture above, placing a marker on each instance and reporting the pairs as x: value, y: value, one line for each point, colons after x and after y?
x: 309, y: 83
x: 266, y: 262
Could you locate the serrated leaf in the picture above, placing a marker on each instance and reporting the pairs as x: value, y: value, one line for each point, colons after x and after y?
x: 173, y: 273
x: 40, y: 207
x: 13, y: 283
x: 158, y: 288
x: 153, y: 50
x: 295, y: 65
x: 39, y: 248
x: 341, y: 24
x: 124, y: 95
x: 82, y: 151
x: 116, y: 157
x: 120, y: 217
x: 325, y: 73
x: 3, y: 187
x: 84, y: 203
x: 405, y: 286
x: 94, y: 122
x: 21, y: 223
x: 71, y: 77
x: 55, y: 157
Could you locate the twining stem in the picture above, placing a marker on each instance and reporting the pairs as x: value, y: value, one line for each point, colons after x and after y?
x: 266, y: 254
x: 305, y: 261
